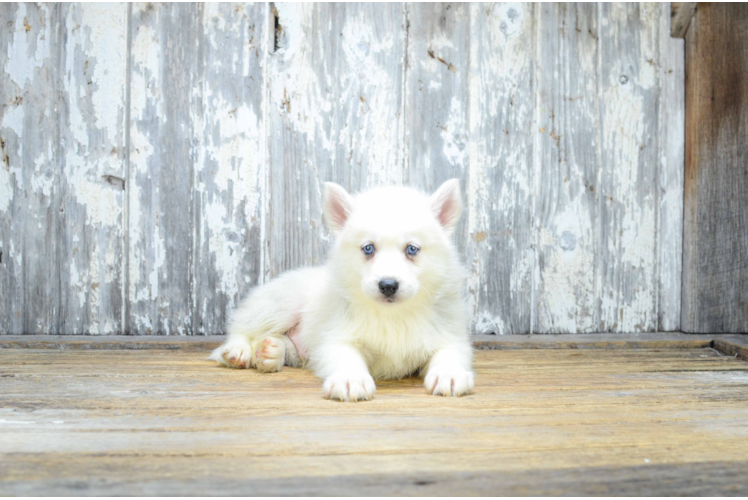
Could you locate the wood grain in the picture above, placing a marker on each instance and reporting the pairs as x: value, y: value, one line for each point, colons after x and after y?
x: 547, y: 421
x: 715, y: 238
x: 680, y: 18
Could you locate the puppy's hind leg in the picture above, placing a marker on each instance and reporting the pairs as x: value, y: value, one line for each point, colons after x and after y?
x: 256, y: 330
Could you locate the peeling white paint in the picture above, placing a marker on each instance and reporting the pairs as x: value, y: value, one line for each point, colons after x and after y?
x: 455, y: 149
x: 42, y: 183
x: 30, y: 48
x: 486, y: 324
x: 146, y: 245
x: 6, y: 189
x: 225, y: 252
x: 13, y: 117
x: 77, y: 284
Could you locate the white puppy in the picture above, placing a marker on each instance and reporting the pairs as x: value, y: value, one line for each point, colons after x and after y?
x: 388, y: 303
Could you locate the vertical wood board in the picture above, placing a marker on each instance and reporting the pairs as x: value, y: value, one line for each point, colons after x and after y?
x: 715, y: 249
x: 627, y: 277
x: 30, y: 185
x: 670, y: 167
x: 568, y: 165
x: 162, y: 165
x: 92, y: 112
x: 499, y: 218
x: 229, y: 151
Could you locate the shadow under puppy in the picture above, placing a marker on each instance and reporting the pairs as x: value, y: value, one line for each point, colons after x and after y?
x: 389, y: 302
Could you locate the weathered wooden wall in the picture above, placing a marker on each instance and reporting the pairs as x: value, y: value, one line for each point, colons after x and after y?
x: 159, y: 160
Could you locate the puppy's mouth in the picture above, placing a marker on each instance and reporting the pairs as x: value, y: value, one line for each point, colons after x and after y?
x: 388, y: 300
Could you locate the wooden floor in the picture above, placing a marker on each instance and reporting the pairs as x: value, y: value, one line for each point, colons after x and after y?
x: 541, y: 422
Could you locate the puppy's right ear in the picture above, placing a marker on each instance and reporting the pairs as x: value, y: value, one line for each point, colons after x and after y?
x: 337, y: 205
x: 446, y: 204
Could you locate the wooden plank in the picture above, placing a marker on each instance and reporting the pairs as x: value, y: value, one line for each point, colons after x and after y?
x: 502, y: 62
x: 667, y: 340
x: 230, y: 164
x: 92, y: 178
x: 162, y: 168
x: 567, y: 168
x: 437, y: 101
x: 680, y: 17
x: 603, y: 341
x: 690, y: 480
x: 715, y: 239
x: 335, y: 113
x: 199, y: 343
x: 627, y: 277
x: 30, y: 194
x: 732, y: 345
x: 670, y: 166
x: 72, y: 423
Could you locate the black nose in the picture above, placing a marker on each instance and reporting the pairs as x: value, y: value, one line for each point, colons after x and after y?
x: 388, y: 287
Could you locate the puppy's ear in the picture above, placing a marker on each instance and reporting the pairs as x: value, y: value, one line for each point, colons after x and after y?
x: 337, y: 205
x: 446, y: 204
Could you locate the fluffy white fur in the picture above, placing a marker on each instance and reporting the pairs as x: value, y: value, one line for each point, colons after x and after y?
x: 348, y: 331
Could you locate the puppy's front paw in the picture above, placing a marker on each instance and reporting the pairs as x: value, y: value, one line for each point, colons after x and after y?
x: 349, y: 387
x: 449, y: 382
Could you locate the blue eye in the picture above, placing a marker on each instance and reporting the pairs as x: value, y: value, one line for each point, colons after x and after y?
x: 411, y: 250
x: 368, y: 249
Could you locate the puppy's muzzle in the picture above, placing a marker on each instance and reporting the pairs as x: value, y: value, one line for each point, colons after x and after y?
x: 388, y: 287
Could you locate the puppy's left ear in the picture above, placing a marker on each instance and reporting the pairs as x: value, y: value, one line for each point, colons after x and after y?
x: 446, y: 204
x: 337, y: 205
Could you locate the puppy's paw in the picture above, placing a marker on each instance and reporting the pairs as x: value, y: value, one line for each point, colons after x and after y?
x: 234, y: 353
x: 449, y: 382
x: 349, y: 387
x: 270, y: 353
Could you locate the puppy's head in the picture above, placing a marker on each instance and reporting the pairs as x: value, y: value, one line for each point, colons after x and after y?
x: 393, y: 244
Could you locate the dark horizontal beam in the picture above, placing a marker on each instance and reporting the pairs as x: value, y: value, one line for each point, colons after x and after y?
x: 728, y: 344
